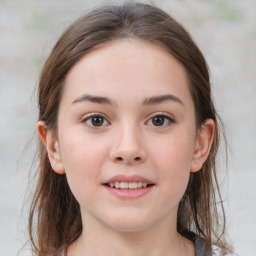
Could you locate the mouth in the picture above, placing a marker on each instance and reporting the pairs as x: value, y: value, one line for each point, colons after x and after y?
x: 128, y: 185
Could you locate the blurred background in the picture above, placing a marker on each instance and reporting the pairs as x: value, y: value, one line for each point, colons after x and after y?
x: 225, y: 30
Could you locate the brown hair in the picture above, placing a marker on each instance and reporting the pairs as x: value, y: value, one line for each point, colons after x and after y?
x: 55, y: 219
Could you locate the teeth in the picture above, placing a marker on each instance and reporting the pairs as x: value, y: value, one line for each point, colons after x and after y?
x: 123, y: 184
x: 127, y: 185
x: 132, y: 185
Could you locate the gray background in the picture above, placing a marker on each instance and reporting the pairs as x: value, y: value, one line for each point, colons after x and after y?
x: 226, y: 33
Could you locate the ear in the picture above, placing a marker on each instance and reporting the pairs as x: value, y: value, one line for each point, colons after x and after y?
x: 52, y: 145
x: 203, y: 145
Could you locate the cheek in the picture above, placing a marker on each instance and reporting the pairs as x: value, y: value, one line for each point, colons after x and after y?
x: 172, y: 160
x: 174, y: 153
x: 81, y: 154
x: 82, y: 162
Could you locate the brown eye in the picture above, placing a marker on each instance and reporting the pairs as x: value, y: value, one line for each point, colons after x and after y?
x: 158, y: 120
x: 95, y: 121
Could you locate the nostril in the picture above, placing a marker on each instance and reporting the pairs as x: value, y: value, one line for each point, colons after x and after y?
x: 135, y: 159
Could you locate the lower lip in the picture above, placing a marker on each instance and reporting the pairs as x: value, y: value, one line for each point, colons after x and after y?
x: 129, y: 193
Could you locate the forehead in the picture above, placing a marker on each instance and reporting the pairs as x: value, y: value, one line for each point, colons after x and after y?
x: 128, y: 51
x: 130, y: 67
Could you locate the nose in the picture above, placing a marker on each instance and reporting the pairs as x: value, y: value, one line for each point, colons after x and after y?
x: 128, y: 148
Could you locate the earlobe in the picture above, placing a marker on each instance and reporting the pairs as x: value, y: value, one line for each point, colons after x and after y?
x: 203, y: 145
x: 52, y: 146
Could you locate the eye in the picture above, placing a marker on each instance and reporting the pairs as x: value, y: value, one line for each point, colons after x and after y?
x: 95, y: 120
x: 160, y: 120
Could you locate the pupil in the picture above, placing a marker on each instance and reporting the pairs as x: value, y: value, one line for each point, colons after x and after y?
x: 158, y: 120
x: 97, y: 120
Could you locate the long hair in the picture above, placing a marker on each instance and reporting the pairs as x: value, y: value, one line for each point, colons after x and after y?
x: 55, y: 219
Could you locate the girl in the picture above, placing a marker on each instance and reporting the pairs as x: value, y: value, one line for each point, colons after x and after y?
x: 128, y: 140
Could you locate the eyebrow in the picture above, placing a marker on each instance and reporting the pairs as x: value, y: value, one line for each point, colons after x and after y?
x: 162, y: 98
x: 94, y: 99
x: 148, y: 101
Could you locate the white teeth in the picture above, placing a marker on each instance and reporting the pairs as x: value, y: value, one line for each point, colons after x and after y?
x: 127, y: 185
x: 117, y: 184
x: 132, y: 185
x: 124, y: 184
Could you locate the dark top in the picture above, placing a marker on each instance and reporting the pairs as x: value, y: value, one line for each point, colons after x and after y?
x: 200, y: 246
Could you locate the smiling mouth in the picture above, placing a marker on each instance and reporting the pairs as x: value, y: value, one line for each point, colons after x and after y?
x: 127, y: 185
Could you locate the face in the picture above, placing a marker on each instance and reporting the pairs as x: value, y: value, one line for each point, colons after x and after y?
x: 126, y: 119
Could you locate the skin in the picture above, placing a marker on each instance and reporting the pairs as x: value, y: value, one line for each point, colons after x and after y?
x: 128, y: 141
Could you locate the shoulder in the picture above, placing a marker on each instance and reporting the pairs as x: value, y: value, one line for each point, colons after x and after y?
x: 201, y: 247
x: 203, y: 250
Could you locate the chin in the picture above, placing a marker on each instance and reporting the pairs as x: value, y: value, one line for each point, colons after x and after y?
x: 130, y: 228
x: 129, y: 224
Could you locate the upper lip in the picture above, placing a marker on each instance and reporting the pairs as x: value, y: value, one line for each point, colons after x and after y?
x: 125, y: 178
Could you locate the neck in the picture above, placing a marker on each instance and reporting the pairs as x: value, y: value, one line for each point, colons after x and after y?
x: 161, y: 239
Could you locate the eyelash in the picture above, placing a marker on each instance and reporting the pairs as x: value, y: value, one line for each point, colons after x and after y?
x: 89, y: 118
x: 167, y: 119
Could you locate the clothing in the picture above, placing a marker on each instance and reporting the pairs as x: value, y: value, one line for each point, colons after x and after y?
x: 200, y: 246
